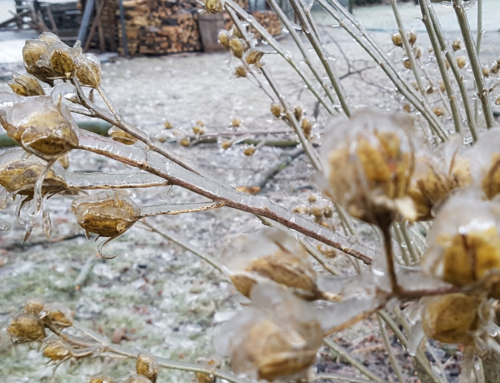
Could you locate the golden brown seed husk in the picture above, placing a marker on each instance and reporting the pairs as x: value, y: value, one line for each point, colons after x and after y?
x: 250, y: 151
x: 236, y: 47
x: 306, y: 127
x: 273, y: 355
x: 20, y: 176
x: 147, y: 366
x: 88, y: 70
x: 224, y: 39
x: 26, y: 328
x: 397, y: 40
x: 461, y: 62
x: 451, y: 318
x: 25, y: 85
x: 491, y: 180
x: 412, y: 37
x: 456, y: 45
x: 276, y: 110
x: 121, y: 136
x: 168, y: 125
x: 438, y: 112
x: 56, y: 350
x: 240, y: 71
x: 107, y: 214
x: 254, y: 57
x: 34, y: 306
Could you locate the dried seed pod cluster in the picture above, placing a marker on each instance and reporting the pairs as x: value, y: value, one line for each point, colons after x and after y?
x: 47, y: 58
x: 368, y: 162
x: 276, y: 338
x: 25, y: 85
x: 106, y: 213
x: 20, y: 176
x: 29, y: 325
x: 38, y: 124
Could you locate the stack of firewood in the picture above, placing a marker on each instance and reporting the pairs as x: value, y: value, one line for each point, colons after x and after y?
x: 161, y: 26
x: 171, y: 26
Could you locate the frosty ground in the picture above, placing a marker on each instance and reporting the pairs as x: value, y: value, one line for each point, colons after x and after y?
x: 154, y: 295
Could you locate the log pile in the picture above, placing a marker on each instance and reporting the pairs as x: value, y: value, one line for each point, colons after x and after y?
x: 161, y: 26
x: 169, y: 26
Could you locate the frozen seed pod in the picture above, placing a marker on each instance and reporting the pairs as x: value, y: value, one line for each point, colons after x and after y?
x: 428, y: 185
x: 236, y: 47
x: 185, y: 142
x: 63, y: 59
x: 20, y: 176
x: 235, y: 123
x: 224, y: 38
x: 412, y: 37
x: 276, y: 110
x: 206, y: 378
x: 57, y: 315
x: 34, y: 306
x: 485, y: 164
x: 461, y: 61
x: 418, y: 52
x: 270, y: 254
x: 147, y: 366
x: 88, y: 70
x: 250, y: 151
x: 453, y: 318
x: 486, y: 71
x: 121, y: 136
x: 276, y: 338
x: 40, y: 126
x: 438, y: 112
x: 369, y: 160
x: 407, y: 63
x: 57, y: 350
x: 464, y: 243
x: 64, y: 161
x: 397, y: 40
x: 240, y: 71
x: 36, y: 60
x: 25, y: 85
x: 198, y: 130
x: 168, y: 125
x: 456, y: 45
x: 107, y: 213
x: 226, y: 144
x: 26, y: 328
x: 213, y: 6
x: 306, y: 126
x: 254, y: 57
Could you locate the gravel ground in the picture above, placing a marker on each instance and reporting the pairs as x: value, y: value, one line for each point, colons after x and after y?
x: 154, y: 295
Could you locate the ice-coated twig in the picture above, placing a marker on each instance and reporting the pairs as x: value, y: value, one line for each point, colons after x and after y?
x: 178, y: 208
x: 100, y: 180
x: 104, y: 348
x: 385, y: 64
x: 407, y: 48
x: 311, y: 153
x: 175, y: 239
x: 319, y: 48
x: 303, y: 50
x: 445, y: 47
x: 387, y: 343
x: 482, y: 91
x: 344, y: 354
x: 125, y: 126
x: 438, y: 53
x: 215, y: 191
x: 278, y: 48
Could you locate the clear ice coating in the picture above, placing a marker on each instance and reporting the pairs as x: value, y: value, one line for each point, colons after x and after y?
x: 214, y: 190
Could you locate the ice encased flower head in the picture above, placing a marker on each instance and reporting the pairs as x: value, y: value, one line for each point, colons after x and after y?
x: 63, y: 58
x: 368, y: 161
x: 485, y: 166
x: 464, y: 243
x: 39, y: 125
x: 106, y: 213
x: 20, y: 176
x: 455, y: 318
x: 25, y: 84
x: 269, y: 254
x: 277, y: 337
x: 88, y: 70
